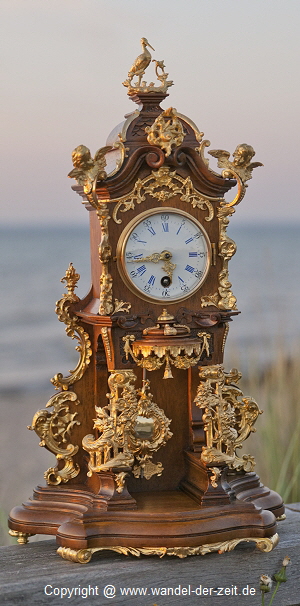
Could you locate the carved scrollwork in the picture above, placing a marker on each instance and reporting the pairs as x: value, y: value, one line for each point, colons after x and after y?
x: 54, y: 428
x: 163, y: 185
x: 132, y: 427
x: 155, y: 158
x: 228, y: 417
x: 73, y: 330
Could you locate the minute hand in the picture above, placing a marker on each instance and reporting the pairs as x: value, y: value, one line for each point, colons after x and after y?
x: 169, y: 267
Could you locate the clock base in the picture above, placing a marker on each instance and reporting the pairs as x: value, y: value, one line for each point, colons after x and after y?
x: 248, y: 487
x: 162, y: 521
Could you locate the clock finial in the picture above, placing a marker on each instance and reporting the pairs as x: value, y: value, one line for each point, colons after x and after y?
x: 138, y: 69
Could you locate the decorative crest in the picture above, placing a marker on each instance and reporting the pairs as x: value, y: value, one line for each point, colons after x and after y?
x: 163, y: 185
x: 166, y: 131
x: 138, y: 69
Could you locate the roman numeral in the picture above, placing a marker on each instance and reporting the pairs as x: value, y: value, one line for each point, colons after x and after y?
x: 141, y: 270
x: 190, y: 269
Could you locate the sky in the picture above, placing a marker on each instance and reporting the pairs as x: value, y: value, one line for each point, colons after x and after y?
x: 235, y: 67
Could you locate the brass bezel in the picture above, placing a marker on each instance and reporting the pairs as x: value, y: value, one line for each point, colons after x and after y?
x: 121, y: 254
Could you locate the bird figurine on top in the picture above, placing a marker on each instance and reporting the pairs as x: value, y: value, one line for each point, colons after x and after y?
x: 141, y: 63
x: 138, y: 69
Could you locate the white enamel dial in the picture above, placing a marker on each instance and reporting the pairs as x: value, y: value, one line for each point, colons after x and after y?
x: 164, y: 255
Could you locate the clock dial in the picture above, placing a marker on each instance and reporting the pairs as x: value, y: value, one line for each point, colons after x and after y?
x: 164, y: 255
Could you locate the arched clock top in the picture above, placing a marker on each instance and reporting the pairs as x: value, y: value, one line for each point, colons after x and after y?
x: 159, y: 137
x: 158, y: 158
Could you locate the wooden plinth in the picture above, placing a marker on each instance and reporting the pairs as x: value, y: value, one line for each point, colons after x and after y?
x: 38, y: 566
x: 166, y: 519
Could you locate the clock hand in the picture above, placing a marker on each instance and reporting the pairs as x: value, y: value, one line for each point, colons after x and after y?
x: 155, y: 257
x: 169, y: 267
x: 165, y: 256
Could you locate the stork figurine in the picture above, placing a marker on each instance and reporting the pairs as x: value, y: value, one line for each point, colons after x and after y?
x: 141, y: 63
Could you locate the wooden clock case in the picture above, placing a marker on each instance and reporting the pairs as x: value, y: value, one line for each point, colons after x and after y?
x: 193, y: 502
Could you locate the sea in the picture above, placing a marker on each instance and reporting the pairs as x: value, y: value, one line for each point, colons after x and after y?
x: 34, y: 346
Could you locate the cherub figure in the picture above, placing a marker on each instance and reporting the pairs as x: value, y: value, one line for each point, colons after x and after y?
x: 241, y: 164
x: 86, y: 168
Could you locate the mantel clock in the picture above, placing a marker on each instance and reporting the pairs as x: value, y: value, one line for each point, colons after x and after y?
x: 146, y: 429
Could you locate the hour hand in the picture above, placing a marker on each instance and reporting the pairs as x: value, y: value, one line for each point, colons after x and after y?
x: 155, y: 257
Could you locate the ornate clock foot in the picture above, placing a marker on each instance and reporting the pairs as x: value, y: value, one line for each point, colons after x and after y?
x: 81, y: 556
x: 22, y: 537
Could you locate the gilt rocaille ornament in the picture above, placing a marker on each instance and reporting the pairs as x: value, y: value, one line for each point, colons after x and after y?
x: 55, y: 430
x: 73, y: 330
x: 166, y: 131
x: 228, y: 417
x: 132, y: 428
